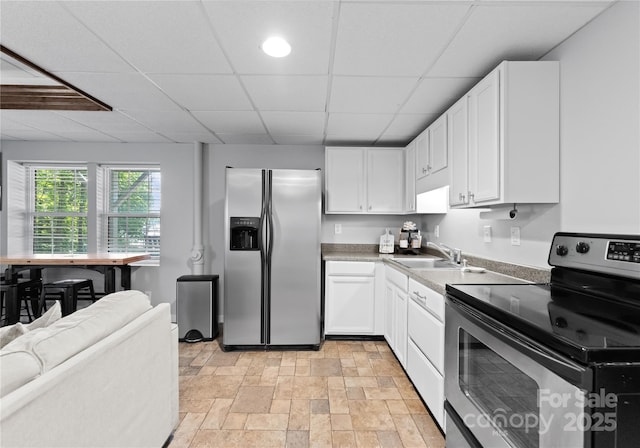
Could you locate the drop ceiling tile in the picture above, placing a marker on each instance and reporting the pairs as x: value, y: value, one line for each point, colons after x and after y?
x: 163, y: 121
x: 90, y: 136
x: 435, y: 95
x: 287, y: 93
x: 246, y: 139
x: 243, y: 26
x: 109, y: 122
x: 290, y: 123
x: 26, y: 25
x: 369, y: 94
x: 231, y: 122
x: 298, y: 139
x: 408, y: 126
x: 204, y: 92
x: 33, y: 135
x: 190, y: 137
x: 140, y: 137
x: 158, y: 36
x: 122, y: 90
x: 496, y: 32
x: 43, y: 120
x: 359, y: 126
x: 393, y: 39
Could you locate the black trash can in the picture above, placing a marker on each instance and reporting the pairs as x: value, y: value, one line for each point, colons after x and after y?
x: 197, y: 307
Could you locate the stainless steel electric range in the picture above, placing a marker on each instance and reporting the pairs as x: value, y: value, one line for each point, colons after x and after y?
x: 549, y: 365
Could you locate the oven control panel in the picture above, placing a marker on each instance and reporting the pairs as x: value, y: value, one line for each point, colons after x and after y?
x: 624, y: 251
x: 609, y: 254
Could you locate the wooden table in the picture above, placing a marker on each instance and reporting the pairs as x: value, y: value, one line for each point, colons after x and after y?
x: 105, y: 263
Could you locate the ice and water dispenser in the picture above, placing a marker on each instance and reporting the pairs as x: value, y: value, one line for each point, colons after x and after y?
x: 244, y: 233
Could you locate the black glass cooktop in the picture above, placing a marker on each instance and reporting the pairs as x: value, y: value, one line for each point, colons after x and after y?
x: 595, y: 323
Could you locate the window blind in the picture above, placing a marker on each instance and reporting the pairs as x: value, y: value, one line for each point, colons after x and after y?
x: 58, y: 209
x: 133, y: 210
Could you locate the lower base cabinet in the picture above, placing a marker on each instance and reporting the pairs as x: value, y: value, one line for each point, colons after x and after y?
x: 352, y: 306
x: 427, y: 380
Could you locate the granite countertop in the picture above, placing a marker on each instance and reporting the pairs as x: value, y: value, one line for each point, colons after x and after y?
x: 436, y: 279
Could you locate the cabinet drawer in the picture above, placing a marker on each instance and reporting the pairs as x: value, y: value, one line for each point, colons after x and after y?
x: 397, y: 278
x: 355, y: 268
x: 432, y: 300
x: 427, y: 333
x: 428, y: 382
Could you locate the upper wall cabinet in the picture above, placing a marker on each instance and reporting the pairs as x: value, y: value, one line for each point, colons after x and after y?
x: 364, y: 180
x: 504, y: 138
x: 431, y: 148
x: 410, y: 178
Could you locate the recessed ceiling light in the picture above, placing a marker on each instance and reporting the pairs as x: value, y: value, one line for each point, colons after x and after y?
x: 276, y: 47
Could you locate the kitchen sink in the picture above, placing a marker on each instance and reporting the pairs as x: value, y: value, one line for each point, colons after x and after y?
x: 426, y: 263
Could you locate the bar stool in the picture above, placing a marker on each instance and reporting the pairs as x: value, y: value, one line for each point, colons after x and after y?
x: 28, y: 293
x: 67, y: 291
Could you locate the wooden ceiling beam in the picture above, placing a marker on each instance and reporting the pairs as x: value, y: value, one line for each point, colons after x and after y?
x: 65, y: 96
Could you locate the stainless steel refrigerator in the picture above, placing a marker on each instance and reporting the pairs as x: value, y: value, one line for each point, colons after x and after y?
x: 272, y: 259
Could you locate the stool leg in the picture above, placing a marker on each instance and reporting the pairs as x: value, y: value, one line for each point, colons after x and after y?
x: 68, y: 305
x: 92, y: 292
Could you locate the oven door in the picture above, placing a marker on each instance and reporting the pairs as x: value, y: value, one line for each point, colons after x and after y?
x: 508, y: 390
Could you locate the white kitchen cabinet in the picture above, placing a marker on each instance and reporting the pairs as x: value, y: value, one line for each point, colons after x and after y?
x: 458, y: 149
x: 428, y: 381
x: 422, y: 154
x: 364, y: 180
x: 350, y: 303
x: 431, y: 149
x: 438, y: 145
x: 512, y: 150
x: 425, y: 346
x: 410, y: 178
x: 396, y: 298
x: 385, y: 180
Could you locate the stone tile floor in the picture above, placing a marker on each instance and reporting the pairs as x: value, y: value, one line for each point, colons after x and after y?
x: 347, y: 394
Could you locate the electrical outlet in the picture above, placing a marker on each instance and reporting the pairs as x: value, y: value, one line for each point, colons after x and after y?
x: 337, y: 229
x: 436, y: 231
x: 487, y: 234
x: 515, y: 236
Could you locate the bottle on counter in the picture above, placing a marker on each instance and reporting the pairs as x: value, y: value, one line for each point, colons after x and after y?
x: 416, y: 240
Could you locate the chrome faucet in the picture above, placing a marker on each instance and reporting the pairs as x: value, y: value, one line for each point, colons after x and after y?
x: 453, y: 255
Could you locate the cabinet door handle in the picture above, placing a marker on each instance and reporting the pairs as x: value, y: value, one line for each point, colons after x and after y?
x: 471, y: 197
x: 428, y: 167
x: 369, y: 207
x: 361, y: 207
x: 418, y: 295
x: 461, y: 197
x: 424, y: 170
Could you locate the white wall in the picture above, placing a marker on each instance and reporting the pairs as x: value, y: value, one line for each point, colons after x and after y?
x: 599, y: 148
x: 176, y: 162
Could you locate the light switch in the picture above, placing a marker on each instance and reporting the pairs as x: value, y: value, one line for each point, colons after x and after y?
x: 337, y: 229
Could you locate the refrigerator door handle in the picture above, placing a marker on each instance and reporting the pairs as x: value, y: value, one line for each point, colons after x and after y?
x: 262, y: 244
x: 267, y: 313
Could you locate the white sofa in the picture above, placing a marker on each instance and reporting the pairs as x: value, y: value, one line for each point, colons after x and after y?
x: 104, y: 376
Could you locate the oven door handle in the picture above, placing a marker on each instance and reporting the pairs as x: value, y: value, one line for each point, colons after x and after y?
x: 576, y: 374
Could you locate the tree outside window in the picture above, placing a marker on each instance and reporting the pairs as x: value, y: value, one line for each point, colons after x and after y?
x: 59, y: 212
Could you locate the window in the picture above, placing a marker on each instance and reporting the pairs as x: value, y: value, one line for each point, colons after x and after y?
x: 132, y: 219
x: 58, y: 209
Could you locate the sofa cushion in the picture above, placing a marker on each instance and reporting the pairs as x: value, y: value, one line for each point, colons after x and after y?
x: 11, y: 332
x: 18, y: 368
x: 64, y: 338
x: 50, y: 316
